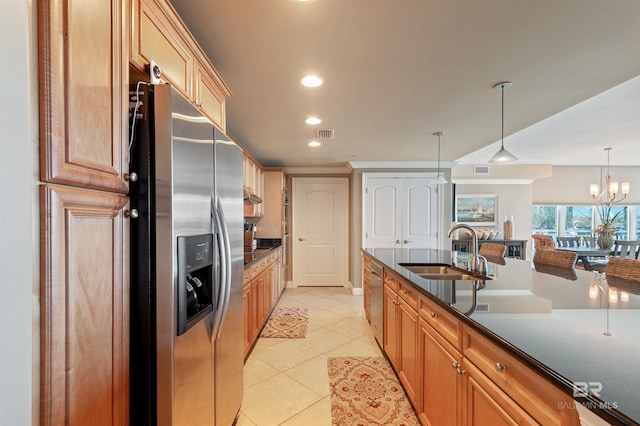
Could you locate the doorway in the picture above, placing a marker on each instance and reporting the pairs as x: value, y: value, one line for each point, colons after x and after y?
x: 320, y: 225
x: 400, y: 210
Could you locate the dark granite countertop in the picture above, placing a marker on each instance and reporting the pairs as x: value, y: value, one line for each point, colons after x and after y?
x: 251, y: 257
x: 547, y: 319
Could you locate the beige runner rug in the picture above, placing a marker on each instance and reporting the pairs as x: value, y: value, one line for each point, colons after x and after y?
x: 365, y: 391
x: 287, y: 322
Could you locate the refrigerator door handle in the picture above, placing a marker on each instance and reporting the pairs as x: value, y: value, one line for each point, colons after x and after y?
x: 225, y: 264
x: 222, y: 288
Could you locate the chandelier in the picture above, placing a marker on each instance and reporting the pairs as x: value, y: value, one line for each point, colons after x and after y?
x: 610, y: 189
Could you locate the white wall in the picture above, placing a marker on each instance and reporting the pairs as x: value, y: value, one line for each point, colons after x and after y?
x: 18, y: 216
x: 570, y: 184
x: 513, y: 199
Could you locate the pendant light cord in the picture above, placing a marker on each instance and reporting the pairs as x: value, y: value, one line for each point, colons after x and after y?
x: 502, y: 142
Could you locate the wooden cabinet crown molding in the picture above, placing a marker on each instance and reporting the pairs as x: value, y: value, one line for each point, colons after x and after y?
x: 158, y: 34
x: 83, y: 119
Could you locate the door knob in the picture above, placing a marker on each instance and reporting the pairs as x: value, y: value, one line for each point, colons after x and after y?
x: 302, y: 239
x: 407, y: 241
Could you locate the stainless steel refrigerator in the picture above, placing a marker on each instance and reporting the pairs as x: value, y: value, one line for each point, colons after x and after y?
x: 186, y: 340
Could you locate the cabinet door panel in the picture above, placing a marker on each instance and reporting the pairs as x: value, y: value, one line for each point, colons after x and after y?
x: 408, y: 329
x: 390, y: 327
x: 155, y: 38
x: 84, y: 308
x: 209, y: 98
x: 486, y: 404
x: 83, y: 121
x: 441, y: 386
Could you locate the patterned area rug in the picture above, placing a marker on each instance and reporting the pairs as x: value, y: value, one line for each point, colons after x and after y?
x: 287, y: 322
x: 365, y: 391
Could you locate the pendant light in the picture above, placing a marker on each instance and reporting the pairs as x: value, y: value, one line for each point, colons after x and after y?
x: 439, y: 180
x: 503, y: 156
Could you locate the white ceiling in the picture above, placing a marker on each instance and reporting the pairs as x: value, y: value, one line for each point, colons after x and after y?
x: 396, y: 71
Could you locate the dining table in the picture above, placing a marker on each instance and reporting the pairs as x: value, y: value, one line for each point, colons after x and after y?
x: 584, y: 253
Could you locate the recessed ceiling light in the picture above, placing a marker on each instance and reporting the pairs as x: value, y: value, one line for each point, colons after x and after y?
x: 314, y: 144
x: 313, y: 120
x: 311, y: 81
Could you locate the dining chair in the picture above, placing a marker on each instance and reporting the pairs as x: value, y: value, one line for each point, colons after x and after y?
x: 492, y: 250
x: 562, y: 259
x: 626, y: 249
x: 621, y: 249
x: 624, y: 268
x: 589, y: 241
x: 543, y: 242
x: 568, y: 241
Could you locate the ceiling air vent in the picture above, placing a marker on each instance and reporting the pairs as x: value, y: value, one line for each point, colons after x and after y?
x: 480, y: 170
x: 325, y: 133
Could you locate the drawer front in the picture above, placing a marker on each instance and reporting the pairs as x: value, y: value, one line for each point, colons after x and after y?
x: 408, y: 293
x: 541, y: 399
x: 442, y: 321
x: 390, y: 279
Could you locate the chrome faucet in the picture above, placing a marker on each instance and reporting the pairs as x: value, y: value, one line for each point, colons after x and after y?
x: 478, y: 262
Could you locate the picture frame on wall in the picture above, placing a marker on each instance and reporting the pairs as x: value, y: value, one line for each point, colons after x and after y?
x: 477, y: 209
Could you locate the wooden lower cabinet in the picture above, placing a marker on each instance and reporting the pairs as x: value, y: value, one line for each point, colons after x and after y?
x: 401, y: 339
x: 440, y: 379
x: 262, y: 289
x: 408, y: 371
x: 454, y: 375
x: 486, y: 404
x: 84, y: 303
x: 390, y: 326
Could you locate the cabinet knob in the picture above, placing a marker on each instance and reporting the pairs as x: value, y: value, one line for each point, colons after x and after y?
x: 133, y: 177
x: 133, y: 213
x: 302, y: 239
x: 433, y: 315
x: 500, y: 367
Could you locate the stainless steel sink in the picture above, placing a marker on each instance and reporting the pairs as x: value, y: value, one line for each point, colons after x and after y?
x: 442, y: 272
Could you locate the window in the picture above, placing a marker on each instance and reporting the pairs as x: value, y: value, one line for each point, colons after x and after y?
x: 577, y: 221
x: 544, y: 220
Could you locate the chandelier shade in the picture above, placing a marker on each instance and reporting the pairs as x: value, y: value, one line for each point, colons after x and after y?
x: 610, y: 189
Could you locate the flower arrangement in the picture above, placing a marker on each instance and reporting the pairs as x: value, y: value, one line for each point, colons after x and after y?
x: 607, y: 221
x: 607, y: 229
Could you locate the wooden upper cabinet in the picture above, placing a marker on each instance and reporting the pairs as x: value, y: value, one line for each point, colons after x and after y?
x: 158, y: 34
x: 271, y: 224
x: 208, y: 96
x: 83, y: 118
x: 155, y: 38
x: 84, y: 308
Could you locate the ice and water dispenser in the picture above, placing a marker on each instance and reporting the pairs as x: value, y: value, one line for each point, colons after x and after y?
x: 195, y: 280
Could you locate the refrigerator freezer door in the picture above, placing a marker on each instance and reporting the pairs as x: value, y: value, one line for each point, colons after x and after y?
x: 229, y: 344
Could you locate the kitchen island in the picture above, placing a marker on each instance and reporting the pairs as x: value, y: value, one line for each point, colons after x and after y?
x: 564, y: 327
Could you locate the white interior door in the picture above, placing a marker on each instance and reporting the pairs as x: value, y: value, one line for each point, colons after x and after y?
x: 320, y: 231
x: 400, y: 211
x: 383, y: 224
x: 420, y: 218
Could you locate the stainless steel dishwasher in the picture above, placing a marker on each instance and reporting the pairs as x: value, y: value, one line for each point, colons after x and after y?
x: 376, y: 301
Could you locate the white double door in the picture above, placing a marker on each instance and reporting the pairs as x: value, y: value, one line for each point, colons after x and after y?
x: 400, y: 211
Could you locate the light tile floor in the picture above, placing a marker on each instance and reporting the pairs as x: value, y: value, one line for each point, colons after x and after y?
x: 285, y: 380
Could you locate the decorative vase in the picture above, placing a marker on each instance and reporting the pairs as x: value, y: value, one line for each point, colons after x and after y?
x: 605, y: 240
x: 507, y: 228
